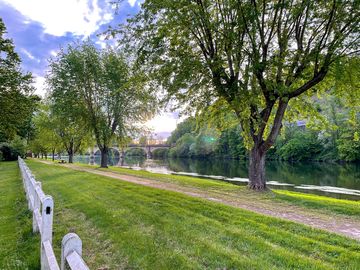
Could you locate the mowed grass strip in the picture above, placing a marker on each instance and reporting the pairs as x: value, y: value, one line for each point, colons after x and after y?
x: 306, y: 201
x: 147, y: 228
x: 19, y: 247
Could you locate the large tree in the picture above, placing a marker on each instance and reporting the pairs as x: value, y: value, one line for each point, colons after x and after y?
x: 250, y: 57
x: 114, y: 99
x: 67, y: 110
x: 16, y: 100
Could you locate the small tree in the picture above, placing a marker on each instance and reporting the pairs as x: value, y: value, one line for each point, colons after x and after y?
x: 114, y: 100
x: 255, y: 59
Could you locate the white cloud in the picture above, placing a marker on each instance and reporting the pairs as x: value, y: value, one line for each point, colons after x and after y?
x: 81, y: 17
x: 163, y: 123
x: 28, y: 54
x: 39, y: 84
x: 132, y: 2
x: 53, y: 53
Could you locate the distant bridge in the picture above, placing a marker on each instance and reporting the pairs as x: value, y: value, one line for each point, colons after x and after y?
x: 147, y: 148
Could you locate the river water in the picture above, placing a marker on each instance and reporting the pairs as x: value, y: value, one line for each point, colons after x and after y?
x: 306, y: 176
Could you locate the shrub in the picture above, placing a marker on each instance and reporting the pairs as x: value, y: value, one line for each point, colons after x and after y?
x: 11, y: 151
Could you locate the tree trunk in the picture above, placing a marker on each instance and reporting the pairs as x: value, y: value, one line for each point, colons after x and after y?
x: 71, y: 156
x: 53, y: 155
x: 257, y: 169
x: 104, y: 157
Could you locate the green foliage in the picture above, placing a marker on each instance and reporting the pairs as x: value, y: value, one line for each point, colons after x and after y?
x: 231, y: 144
x: 186, y: 126
x: 183, y: 146
x: 303, y: 145
x: 255, y: 60
x: 160, y: 153
x: 135, y: 152
x: 16, y: 100
x: 11, y: 151
x: 349, y: 147
x: 110, y: 96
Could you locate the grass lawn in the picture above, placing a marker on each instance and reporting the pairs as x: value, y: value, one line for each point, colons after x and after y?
x: 306, y: 201
x: 19, y: 247
x: 129, y: 226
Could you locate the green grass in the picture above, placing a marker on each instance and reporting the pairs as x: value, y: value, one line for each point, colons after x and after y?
x: 306, y: 201
x: 19, y: 247
x: 346, y: 207
x: 128, y: 226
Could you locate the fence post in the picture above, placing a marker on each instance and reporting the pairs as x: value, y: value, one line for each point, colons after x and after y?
x: 36, y: 207
x: 46, y: 226
x: 71, y: 242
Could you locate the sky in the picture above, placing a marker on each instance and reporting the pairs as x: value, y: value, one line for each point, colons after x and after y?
x: 39, y: 28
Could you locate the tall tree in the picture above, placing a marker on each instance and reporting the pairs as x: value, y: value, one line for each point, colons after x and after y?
x: 253, y: 58
x: 16, y: 100
x: 114, y: 100
x: 68, y: 111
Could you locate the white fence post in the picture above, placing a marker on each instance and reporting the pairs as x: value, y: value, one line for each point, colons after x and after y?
x: 46, y: 226
x: 43, y: 221
x: 37, y: 204
x: 71, y: 249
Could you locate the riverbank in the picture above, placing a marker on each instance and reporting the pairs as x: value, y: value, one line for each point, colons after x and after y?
x: 312, y: 210
x: 128, y: 225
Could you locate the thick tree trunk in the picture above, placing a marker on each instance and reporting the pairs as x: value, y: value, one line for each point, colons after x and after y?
x: 104, y: 157
x: 257, y: 169
x: 71, y: 156
x: 53, y: 155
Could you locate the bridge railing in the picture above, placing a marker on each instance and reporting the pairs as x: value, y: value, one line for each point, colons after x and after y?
x: 42, y: 207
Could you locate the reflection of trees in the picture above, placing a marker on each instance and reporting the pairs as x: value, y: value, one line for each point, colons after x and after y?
x: 314, y: 173
x: 134, y: 160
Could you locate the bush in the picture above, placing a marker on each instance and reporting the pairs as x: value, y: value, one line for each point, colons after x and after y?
x: 11, y: 151
x: 304, y: 145
x: 182, y: 148
x: 349, y: 147
x: 160, y: 153
x: 139, y: 152
x: 8, y: 152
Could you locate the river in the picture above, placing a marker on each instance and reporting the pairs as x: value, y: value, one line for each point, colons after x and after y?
x: 308, y: 175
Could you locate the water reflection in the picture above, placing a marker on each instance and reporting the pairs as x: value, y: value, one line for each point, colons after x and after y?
x: 314, y: 173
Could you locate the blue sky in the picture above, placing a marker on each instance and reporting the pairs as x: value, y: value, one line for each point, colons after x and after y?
x: 40, y: 27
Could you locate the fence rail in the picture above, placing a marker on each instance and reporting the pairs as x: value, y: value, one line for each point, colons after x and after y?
x: 42, y: 207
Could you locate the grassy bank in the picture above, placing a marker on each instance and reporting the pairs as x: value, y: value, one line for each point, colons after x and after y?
x: 128, y: 226
x: 306, y: 201
x: 19, y: 247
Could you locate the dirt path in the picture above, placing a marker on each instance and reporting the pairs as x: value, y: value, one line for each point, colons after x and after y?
x: 332, y: 223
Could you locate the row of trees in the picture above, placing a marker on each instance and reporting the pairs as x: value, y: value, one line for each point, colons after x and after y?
x: 94, y: 96
x: 253, y: 63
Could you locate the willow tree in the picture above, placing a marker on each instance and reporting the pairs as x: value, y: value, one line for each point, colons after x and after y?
x: 114, y: 101
x: 250, y: 58
x: 66, y: 115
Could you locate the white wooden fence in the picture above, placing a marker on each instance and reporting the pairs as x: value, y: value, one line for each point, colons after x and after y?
x: 42, y: 207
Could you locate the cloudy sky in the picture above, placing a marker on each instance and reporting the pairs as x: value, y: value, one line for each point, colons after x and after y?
x: 40, y: 27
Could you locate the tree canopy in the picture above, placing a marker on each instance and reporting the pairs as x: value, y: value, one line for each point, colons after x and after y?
x: 253, y: 58
x: 16, y: 100
x: 102, y: 85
